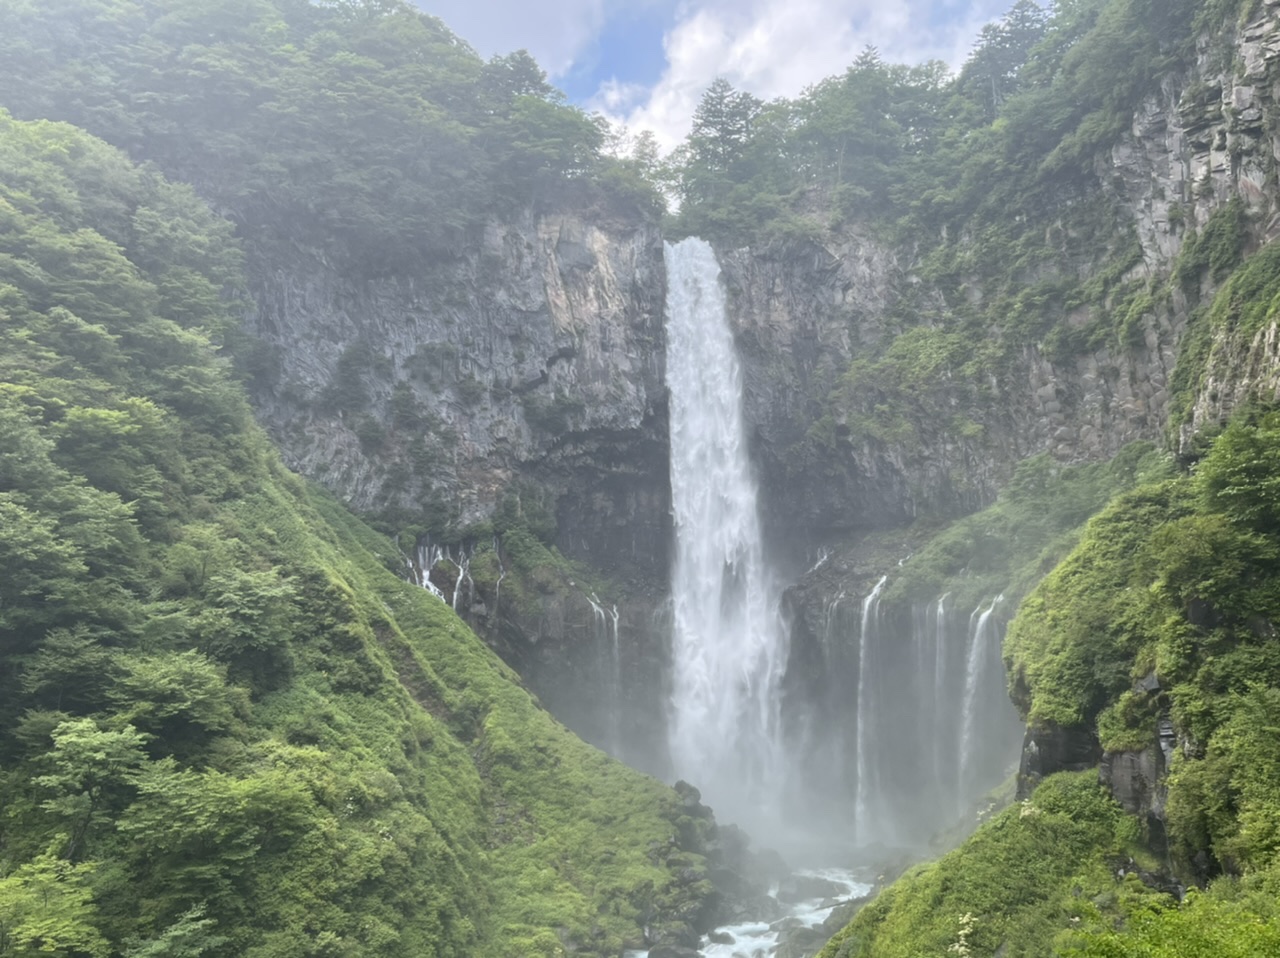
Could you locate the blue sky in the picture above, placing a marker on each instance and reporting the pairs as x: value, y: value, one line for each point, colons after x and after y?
x: 645, y: 63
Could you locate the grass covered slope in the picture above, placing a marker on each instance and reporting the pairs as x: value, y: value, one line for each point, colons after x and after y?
x: 227, y: 726
x: 1180, y: 580
x: 1056, y: 874
x: 1017, y: 886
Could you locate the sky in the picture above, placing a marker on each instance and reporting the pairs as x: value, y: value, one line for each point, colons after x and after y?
x: 645, y: 63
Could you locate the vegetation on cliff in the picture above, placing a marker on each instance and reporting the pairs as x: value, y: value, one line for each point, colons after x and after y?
x: 1036, y: 521
x: 1159, y: 621
x: 985, y: 184
x: 1176, y: 581
x: 1062, y: 873
x: 363, y: 124
x: 1162, y: 613
x: 228, y: 725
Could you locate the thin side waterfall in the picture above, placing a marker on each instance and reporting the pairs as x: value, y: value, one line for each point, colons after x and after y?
x: 867, y: 635
x: 939, y: 677
x: 984, y: 645
x: 916, y: 724
x: 729, y: 645
x: 610, y: 658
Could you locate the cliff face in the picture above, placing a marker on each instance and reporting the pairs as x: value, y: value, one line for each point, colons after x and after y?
x: 1206, y: 138
x: 534, y: 354
x: 527, y: 368
x: 537, y: 351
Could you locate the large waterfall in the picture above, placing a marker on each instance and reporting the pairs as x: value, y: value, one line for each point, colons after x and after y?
x: 729, y: 646
x: 879, y: 725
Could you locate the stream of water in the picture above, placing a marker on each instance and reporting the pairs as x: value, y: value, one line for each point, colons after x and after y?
x: 760, y: 939
x: 729, y: 645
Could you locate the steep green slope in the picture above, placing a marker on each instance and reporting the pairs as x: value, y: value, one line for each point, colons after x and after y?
x: 1061, y: 873
x: 227, y: 725
x: 1023, y: 881
x: 1180, y: 581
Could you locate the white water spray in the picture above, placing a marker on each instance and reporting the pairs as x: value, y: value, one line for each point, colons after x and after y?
x: 729, y: 646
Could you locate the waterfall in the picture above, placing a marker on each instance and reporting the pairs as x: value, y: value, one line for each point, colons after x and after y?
x: 424, y: 560
x: 609, y: 654
x: 914, y: 724
x: 729, y: 646
x: 899, y: 712
x: 866, y: 637
x: 939, y: 678
x: 984, y: 646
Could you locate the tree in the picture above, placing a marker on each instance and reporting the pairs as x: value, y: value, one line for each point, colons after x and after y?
x: 1239, y: 475
x: 91, y: 771
x: 992, y: 72
x: 189, y: 937
x: 47, y: 910
x: 722, y: 126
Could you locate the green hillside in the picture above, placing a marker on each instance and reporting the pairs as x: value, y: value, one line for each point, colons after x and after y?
x: 228, y: 726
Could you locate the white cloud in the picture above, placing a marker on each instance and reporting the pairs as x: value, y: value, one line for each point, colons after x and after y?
x: 778, y: 47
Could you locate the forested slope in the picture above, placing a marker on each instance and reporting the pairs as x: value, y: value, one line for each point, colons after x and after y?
x: 228, y: 725
x: 363, y: 124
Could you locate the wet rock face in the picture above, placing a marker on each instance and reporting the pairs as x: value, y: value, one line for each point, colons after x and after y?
x: 803, y: 312
x: 536, y: 353
x: 1048, y: 748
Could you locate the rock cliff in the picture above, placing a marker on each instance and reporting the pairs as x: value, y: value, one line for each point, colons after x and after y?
x: 534, y: 354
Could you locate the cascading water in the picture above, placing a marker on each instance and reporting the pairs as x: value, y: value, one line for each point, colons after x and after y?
x: 984, y: 651
x: 917, y: 721
x: 609, y: 654
x: 729, y: 645
x: 866, y: 635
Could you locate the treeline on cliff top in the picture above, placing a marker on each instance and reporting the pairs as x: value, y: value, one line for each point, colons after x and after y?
x: 372, y: 123
x: 228, y: 725
x: 365, y: 125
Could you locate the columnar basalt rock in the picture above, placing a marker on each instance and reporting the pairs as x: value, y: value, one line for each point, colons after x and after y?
x: 535, y: 353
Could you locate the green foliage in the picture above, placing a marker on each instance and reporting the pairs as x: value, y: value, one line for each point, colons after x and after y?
x: 1033, y: 524
x: 1177, y: 579
x: 1014, y: 888
x: 227, y: 728
x: 1239, y: 478
x: 367, y: 126
x: 1247, y: 303
x: 915, y: 149
x: 1217, y: 249
x: 1202, y: 927
x: 46, y: 908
